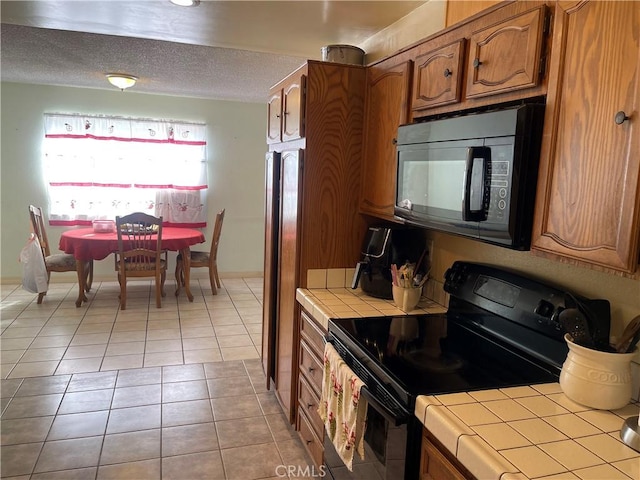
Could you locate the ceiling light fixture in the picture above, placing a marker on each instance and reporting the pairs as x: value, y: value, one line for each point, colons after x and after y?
x: 121, y: 80
x: 186, y: 3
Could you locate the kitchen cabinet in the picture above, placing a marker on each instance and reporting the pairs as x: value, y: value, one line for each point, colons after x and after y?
x: 308, y: 421
x: 312, y: 219
x: 437, y: 464
x: 506, y: 56
x: 285, y: 109
x: 588, y: 197
x: 496, y: 57
x: 388, y: 97
x: 438, y: 76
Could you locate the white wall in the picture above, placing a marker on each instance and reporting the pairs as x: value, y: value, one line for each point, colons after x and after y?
x: 235, y: 148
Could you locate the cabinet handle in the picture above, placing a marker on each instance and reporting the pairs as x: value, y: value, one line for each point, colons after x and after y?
x: 394, y: 141
x: 277, y: 115
x: 309, y: 442
x: 310, y: 369
x: 285, y: 113
x: 447, y: 72
x: 620, y: 118
x: 476, y: 62
x: 309, y: 405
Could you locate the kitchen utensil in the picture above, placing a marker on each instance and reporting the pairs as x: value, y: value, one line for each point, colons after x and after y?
x: 598, y: 313
x: 628, y: 335
x: 575, y: 322
x: 634, y: 342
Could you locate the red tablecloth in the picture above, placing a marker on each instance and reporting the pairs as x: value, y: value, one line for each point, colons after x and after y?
x: 85, y: 244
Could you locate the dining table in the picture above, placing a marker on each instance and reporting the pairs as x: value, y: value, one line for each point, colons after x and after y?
x: 86, y: 244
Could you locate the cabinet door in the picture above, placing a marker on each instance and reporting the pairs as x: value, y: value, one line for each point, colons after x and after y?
x: 274, y: 114
x: 588, y: 198
x: 434, y: 465
x: 506, y: 56
x: 287, y: 329
x: 271, y: 239
x: 438, y: 77
x: 388, y: 87
x: 293, y: 109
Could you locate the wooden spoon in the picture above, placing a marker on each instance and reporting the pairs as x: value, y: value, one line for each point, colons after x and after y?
x: 627, y: 335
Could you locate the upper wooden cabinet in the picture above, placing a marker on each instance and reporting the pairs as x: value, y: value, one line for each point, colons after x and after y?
x: 438, y: 76
x: 588, y: 198
x: 285, y: 109
x: 388, y: 88
x: 506, y: 56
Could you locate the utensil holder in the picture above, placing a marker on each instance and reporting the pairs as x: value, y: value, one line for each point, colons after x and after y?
x: 596, y: 379
x: 406, y: 298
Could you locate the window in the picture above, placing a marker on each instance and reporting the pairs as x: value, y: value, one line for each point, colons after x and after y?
x: 97, y: 167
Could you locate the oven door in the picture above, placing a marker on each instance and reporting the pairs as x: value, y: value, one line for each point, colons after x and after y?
x: 385, y: 446
x: 392, y: 433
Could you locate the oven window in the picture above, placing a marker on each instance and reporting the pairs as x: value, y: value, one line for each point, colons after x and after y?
x: 376, y: 434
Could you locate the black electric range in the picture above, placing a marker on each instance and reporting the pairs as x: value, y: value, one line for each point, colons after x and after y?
x: 501, y: 329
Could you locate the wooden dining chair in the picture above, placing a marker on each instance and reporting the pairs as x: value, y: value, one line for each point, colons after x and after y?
x: 140, y: 253
x: 58, y: 262
x: 204, y: 259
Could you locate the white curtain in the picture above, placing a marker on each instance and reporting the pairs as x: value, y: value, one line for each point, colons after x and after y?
x: 98, y: 167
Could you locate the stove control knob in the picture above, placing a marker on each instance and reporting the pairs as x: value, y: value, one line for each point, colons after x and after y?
x: 544, y: 309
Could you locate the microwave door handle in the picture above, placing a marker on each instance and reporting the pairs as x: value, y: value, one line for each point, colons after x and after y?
x: 477, y: 184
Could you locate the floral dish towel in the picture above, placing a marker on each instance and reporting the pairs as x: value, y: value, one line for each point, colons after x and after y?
x: 341, y: 408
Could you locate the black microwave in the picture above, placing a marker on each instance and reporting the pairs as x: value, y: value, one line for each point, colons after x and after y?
x: 473, y: 175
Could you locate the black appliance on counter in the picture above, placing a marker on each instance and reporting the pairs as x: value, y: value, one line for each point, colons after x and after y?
x: 501, y: 330
x: 472, y: 175
x: 381, y: 248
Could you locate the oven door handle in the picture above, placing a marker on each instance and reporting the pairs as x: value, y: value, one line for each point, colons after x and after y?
x: 396, y: 418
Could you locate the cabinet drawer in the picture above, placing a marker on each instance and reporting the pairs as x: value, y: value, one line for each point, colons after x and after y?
x: 308, y: 401
x: 309, y: 439
x: 313, y: 334
x: 310, y: 366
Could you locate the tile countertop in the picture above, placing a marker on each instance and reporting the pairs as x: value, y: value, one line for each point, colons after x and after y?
x: 326, y: 303
x: 519, y: 433
x: 530, y: 432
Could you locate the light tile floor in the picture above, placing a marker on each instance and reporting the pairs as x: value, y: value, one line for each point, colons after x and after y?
x: 145, y: 393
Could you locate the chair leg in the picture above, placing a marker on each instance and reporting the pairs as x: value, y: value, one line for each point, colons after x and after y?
x: 123, y: 292
x: 178, y: 274
x: 89, y: 279
x: 215, y: 269
x: 212, y: 281
x: 158, y: 290
x: 40, y: 297
x: 164, y: 277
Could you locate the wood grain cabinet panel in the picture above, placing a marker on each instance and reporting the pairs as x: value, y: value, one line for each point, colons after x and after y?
x: 285, y: 109
x: 588, y: 198
x: 274, y: 115
x: 436, y: 464
x: 388, y: 97
x: 506, y: 56
x: 438, y: 76
x: 313, y: 193
x: 293, y: 109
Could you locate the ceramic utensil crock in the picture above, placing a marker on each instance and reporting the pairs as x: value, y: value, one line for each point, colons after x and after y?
x: 596, y: 379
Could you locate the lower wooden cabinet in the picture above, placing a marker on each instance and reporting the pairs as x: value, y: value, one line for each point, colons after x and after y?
x: 438, y: 464
x: 308, y: 421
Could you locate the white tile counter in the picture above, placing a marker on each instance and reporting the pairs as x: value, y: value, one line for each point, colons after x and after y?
x: 326, y: 303
x: 531, y: 432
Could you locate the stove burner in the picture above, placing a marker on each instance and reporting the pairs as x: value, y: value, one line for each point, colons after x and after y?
x: 426, y: 362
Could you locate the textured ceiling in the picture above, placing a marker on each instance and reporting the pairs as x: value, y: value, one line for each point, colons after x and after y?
x: 222, y: 50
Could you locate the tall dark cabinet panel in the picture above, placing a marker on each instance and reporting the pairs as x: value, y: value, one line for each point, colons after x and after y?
x: 312, y: 219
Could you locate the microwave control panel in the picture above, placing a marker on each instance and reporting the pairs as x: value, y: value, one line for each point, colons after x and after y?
x: 499, y: 200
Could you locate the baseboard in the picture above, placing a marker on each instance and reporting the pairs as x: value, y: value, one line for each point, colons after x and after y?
x: 200, y: 274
